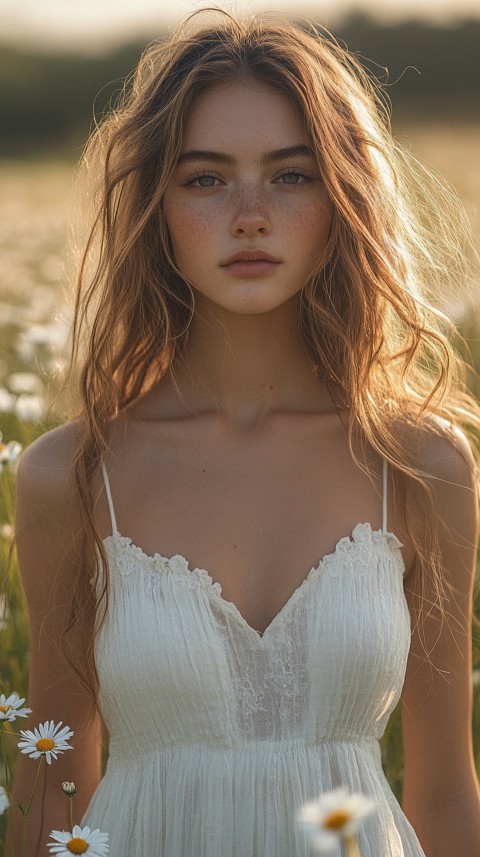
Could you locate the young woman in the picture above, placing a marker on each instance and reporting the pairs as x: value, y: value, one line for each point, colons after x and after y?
x: 257, y: 533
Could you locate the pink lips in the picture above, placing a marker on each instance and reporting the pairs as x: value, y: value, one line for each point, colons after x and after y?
x: 250, y: 263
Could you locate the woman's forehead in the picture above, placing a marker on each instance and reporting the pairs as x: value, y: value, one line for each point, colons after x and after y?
x: 240, y: 113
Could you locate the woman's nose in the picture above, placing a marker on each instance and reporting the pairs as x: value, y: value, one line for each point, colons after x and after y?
x: 251, y: 217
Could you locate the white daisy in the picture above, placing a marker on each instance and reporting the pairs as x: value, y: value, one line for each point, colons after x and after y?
x: 6, y: 530
x: 334, y: 816
x: 10, y: 707
x: 28, y: 407
x: 10, y: 453
x: 24, y: 382
x: 7, y: 401
x: 79, y: 841
x: 45, y: 741
x: 4, y: 802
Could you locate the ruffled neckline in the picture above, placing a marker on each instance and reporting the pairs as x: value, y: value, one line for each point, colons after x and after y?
x: 363, y: 536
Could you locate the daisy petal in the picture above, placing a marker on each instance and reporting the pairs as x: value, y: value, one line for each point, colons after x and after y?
x: 95, y: 841
x: 333, y: 816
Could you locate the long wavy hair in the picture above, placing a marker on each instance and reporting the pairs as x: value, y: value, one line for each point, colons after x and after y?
x: 367, y: 311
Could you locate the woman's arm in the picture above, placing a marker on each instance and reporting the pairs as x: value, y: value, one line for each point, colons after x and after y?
x: 47, y: 518
x: 441, y: 794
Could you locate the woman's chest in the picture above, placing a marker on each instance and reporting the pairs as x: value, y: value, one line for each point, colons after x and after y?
x: 257, y: 511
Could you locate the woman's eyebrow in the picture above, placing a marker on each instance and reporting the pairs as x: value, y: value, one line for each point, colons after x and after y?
x: 224, y: 158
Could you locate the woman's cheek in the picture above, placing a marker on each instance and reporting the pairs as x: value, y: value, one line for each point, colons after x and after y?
x: 190, y: 226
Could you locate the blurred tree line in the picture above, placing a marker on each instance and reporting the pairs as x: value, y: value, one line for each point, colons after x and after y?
x: 47, y: 102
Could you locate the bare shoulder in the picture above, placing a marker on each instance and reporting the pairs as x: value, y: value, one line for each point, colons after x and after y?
x: 51, y: 454
x: 43, y: 475
x: 444, y: 456
x: 47, y: 514
x: 450, y: 468
x: 447, y: 451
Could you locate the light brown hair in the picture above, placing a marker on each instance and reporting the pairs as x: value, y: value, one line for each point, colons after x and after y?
x: 367, y: 311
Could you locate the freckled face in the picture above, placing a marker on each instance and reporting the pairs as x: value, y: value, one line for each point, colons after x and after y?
x: 215, y: 208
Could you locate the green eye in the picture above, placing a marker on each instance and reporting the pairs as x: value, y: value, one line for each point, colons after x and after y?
x: 208, y: 178
x: 193, y: 181
x: 301, y: 178
x: 291, y: 176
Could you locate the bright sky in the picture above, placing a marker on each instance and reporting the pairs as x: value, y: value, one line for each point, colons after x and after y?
x: 94, y: 23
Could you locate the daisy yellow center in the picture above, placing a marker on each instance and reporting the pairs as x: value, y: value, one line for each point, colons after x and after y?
x: 44, y: 744
x: 336, y: 820
x: 5, y: 708
x: 77, y: 845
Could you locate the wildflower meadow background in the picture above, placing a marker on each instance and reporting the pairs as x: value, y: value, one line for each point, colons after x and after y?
x: 35, y: 311
x: 35, y: 307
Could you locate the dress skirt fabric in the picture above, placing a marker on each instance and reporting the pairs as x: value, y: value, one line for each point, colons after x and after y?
x: 218, y: 734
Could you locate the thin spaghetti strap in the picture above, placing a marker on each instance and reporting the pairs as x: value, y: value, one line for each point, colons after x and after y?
x: 385, y: 472
x: 109, y: 498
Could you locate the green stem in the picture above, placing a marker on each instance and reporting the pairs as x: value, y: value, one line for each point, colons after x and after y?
x: 34, y: 787
x: 27, y: 810
x: 7, y: 731
x: 42, y: 814
x: 12, y: 831
x: 8, y: 496
x: 24, y: 837
x: 4, y: 751
x: 71, y: 811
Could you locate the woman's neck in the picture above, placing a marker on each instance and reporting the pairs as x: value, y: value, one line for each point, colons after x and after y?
x: 247, y: 367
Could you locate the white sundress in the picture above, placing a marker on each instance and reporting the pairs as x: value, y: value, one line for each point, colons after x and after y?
x: 218, y: 734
